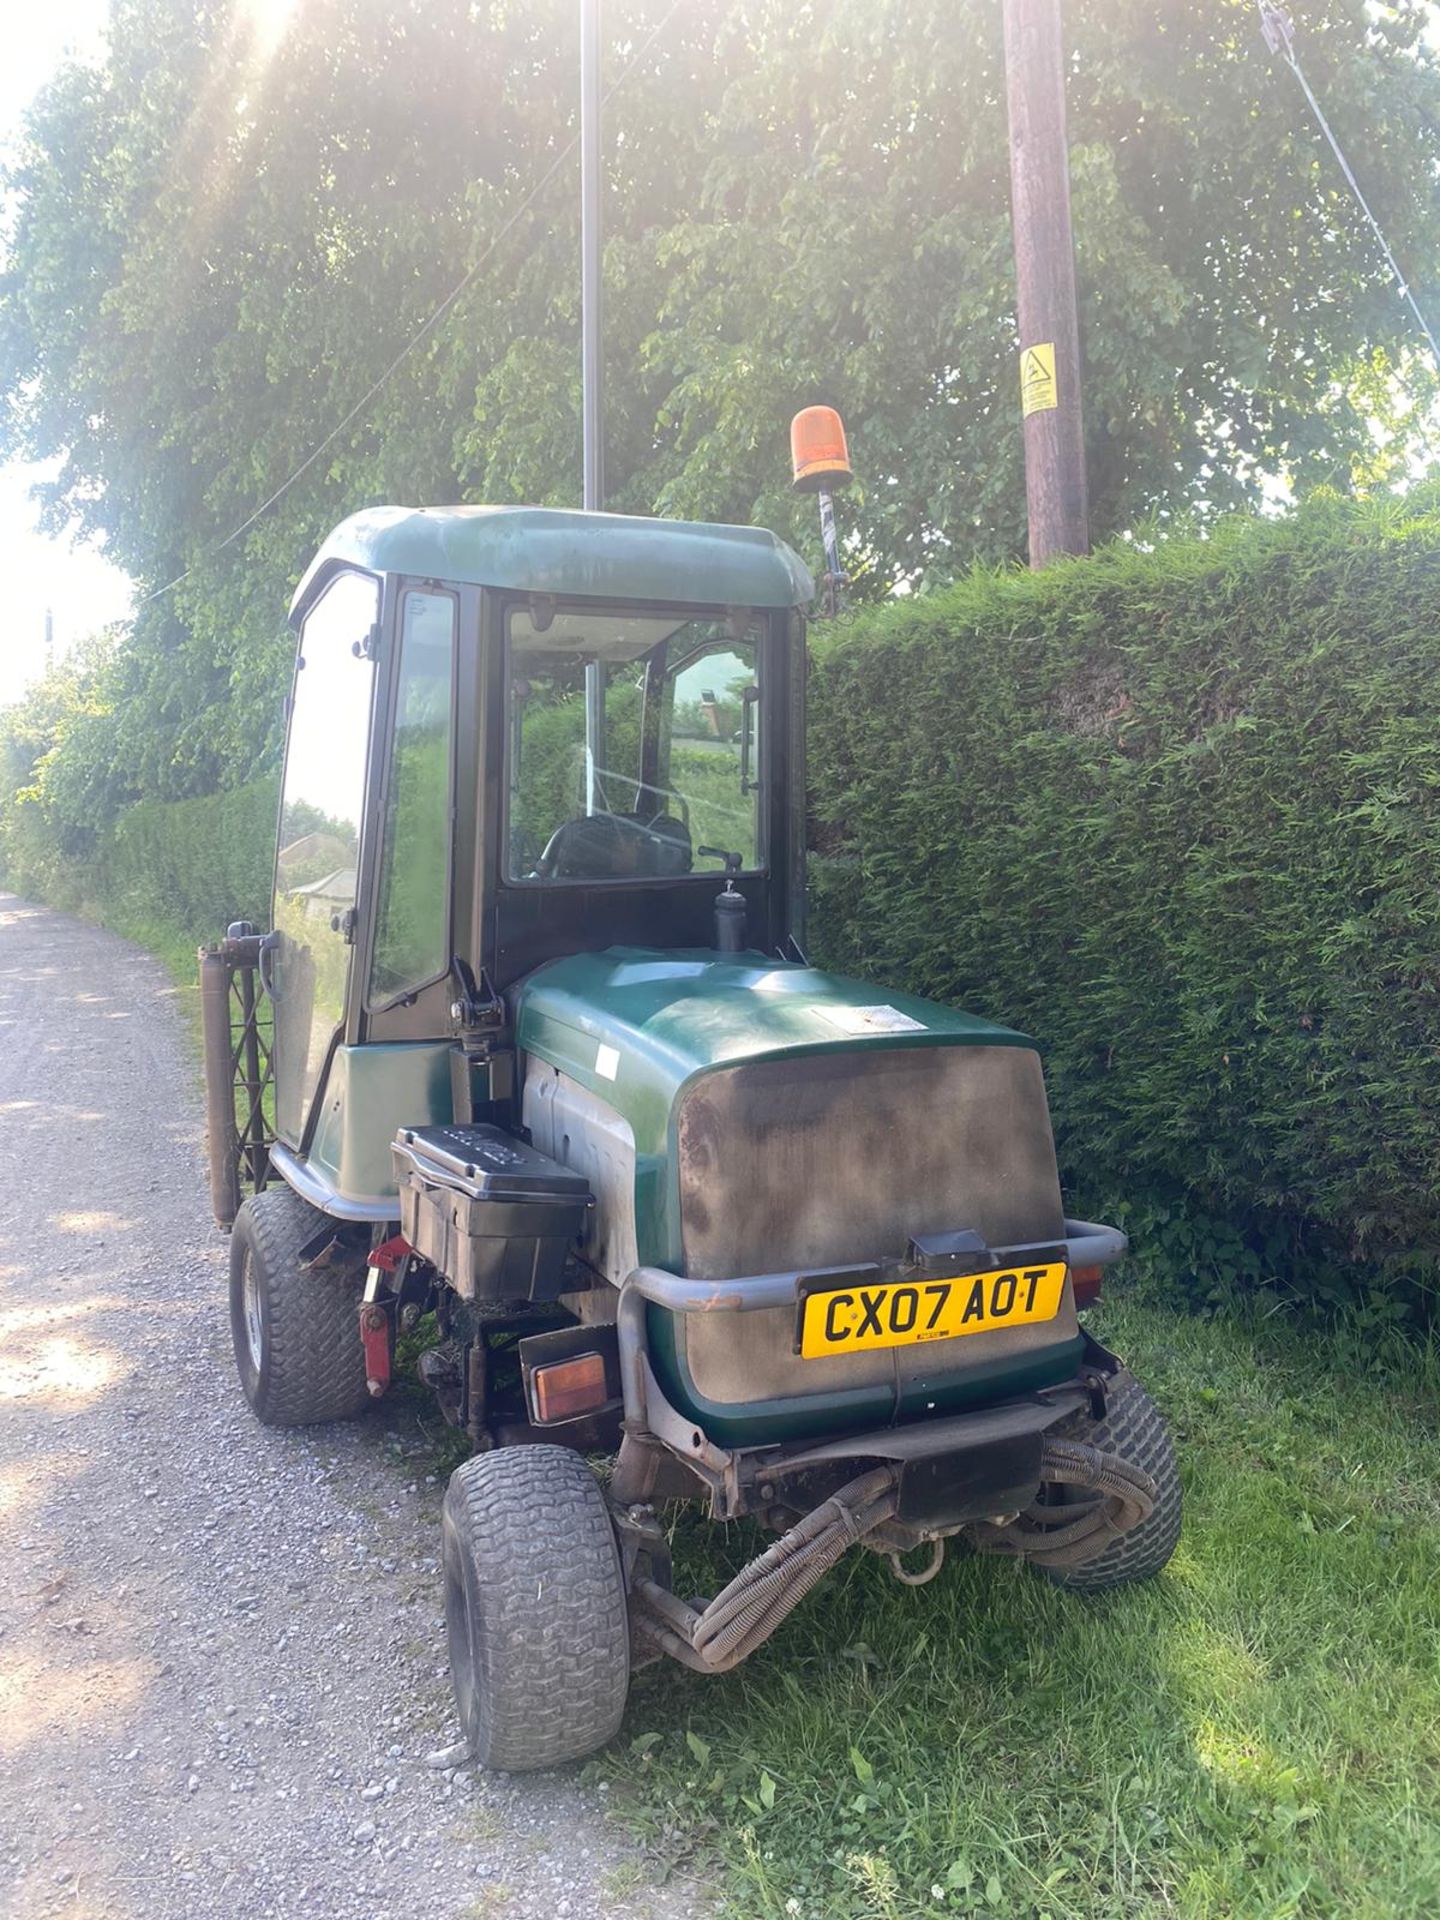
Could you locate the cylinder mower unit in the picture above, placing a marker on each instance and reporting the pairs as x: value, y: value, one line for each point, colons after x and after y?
x: 532, y: 1068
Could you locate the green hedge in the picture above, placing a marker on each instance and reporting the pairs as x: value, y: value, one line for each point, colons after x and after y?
x: 194, y: 865
x: 1176, y: 813
x: 170, y: 873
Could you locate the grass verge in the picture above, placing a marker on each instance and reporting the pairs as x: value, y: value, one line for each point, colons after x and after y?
x: 1256, y: 1733
x: 174, y: 949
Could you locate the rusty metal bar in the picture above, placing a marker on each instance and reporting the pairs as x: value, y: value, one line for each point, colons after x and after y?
x: 222, y: 1145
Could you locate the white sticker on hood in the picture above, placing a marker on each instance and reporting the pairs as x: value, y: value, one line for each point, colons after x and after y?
x: 871, y: 1020
x: 607, y: 1062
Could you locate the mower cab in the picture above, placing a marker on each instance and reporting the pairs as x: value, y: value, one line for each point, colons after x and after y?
x: 548, y: 1062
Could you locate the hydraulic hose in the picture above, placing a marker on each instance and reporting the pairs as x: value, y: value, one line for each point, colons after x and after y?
x: 749, y: 1609
x: 1067, y: 1536
x: 745, y: 1614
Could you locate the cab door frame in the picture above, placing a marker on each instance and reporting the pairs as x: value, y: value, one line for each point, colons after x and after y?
x: 352, y: 1028
x: 320, y: 587
x: 425, y: 1014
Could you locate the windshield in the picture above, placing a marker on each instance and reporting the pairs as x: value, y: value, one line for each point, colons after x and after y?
x: 633, y: 743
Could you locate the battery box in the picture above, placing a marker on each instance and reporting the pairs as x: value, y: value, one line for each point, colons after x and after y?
x: 496, y: 1217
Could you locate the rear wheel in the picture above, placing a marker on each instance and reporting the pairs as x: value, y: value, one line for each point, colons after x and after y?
x: 534, y: 1608
x: 296, y: 1333
x: 1136, y: 1430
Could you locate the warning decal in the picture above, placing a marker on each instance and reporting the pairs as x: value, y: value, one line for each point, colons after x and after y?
x: 1037, y: 379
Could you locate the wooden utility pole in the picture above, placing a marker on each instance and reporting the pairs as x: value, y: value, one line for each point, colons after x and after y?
x: 1045, y: 281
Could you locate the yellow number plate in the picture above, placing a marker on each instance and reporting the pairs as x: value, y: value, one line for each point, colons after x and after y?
x: 855, y: 1318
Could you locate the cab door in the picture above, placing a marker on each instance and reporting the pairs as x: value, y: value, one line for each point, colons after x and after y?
x: 319, y: 844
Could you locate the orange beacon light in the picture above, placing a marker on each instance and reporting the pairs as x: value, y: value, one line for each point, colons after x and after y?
x: 818, y: 451
x: 822, y: 463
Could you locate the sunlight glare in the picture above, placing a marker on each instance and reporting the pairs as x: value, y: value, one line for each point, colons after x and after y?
x: 268, y: 22
x: 39, y: 1699
x: 58, y: 1370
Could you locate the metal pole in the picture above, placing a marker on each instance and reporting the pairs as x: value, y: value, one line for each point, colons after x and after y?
x: 831, y: 543
x: 591, y: 372
x: 1045, y: 281
x: 594, y: 736
x: 590, y: 312
x: 827, y: 531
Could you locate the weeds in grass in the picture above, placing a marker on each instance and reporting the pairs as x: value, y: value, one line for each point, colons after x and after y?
x: 627, y: 1881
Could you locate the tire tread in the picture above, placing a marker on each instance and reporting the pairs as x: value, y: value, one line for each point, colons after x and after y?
x: 315, y: 1362
x: 1136, y: 1430
x: 556, y: 1630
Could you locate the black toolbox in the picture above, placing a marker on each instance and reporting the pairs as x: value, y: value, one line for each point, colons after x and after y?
x: 496, y: 1217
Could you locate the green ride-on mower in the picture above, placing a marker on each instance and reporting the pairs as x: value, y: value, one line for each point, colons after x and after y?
x: 533, y: 1047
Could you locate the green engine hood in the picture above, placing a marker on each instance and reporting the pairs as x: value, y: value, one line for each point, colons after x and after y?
x: 634, y: 1025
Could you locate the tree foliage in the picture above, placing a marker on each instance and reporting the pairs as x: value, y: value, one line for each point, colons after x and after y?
x: 218, y: 242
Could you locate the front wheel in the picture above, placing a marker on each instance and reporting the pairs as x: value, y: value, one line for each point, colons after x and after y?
x: 1135, y: 1429
x: 297, y: 1334
x: 534, y: 1608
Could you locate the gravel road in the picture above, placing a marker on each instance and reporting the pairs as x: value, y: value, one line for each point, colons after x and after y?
x: 221, y: 1647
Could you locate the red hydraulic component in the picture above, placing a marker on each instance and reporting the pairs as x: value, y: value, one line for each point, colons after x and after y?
x: 389, y: 1254
x: 375, y: 1338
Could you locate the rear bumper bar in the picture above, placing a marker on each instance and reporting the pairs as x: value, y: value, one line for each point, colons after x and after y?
x: 1085, y: 1245
x: 650, y: 1416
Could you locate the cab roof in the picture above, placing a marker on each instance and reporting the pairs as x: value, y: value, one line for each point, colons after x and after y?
x: 558, y: 550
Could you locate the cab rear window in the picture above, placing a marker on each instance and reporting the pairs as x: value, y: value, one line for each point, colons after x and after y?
x: 634, y: 744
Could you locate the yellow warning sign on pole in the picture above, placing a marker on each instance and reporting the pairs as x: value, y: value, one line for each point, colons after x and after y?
x: 1037, y: 379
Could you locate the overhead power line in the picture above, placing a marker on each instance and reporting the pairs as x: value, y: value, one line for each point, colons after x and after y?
x: 1279, y: 31
x: 426, y: 327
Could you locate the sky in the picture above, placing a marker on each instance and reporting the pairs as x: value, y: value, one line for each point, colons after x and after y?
x: 82, y: 590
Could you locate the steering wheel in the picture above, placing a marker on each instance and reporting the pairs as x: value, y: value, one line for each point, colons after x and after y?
x: 565, y: 850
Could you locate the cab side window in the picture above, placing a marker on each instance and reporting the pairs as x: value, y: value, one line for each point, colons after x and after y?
x: 412, y: 928
x: 319, y: 846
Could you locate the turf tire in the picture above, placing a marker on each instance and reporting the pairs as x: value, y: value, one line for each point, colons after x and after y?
x: 296, y: 1334
x: 534, y: 1608
x: 1135, y: 1429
